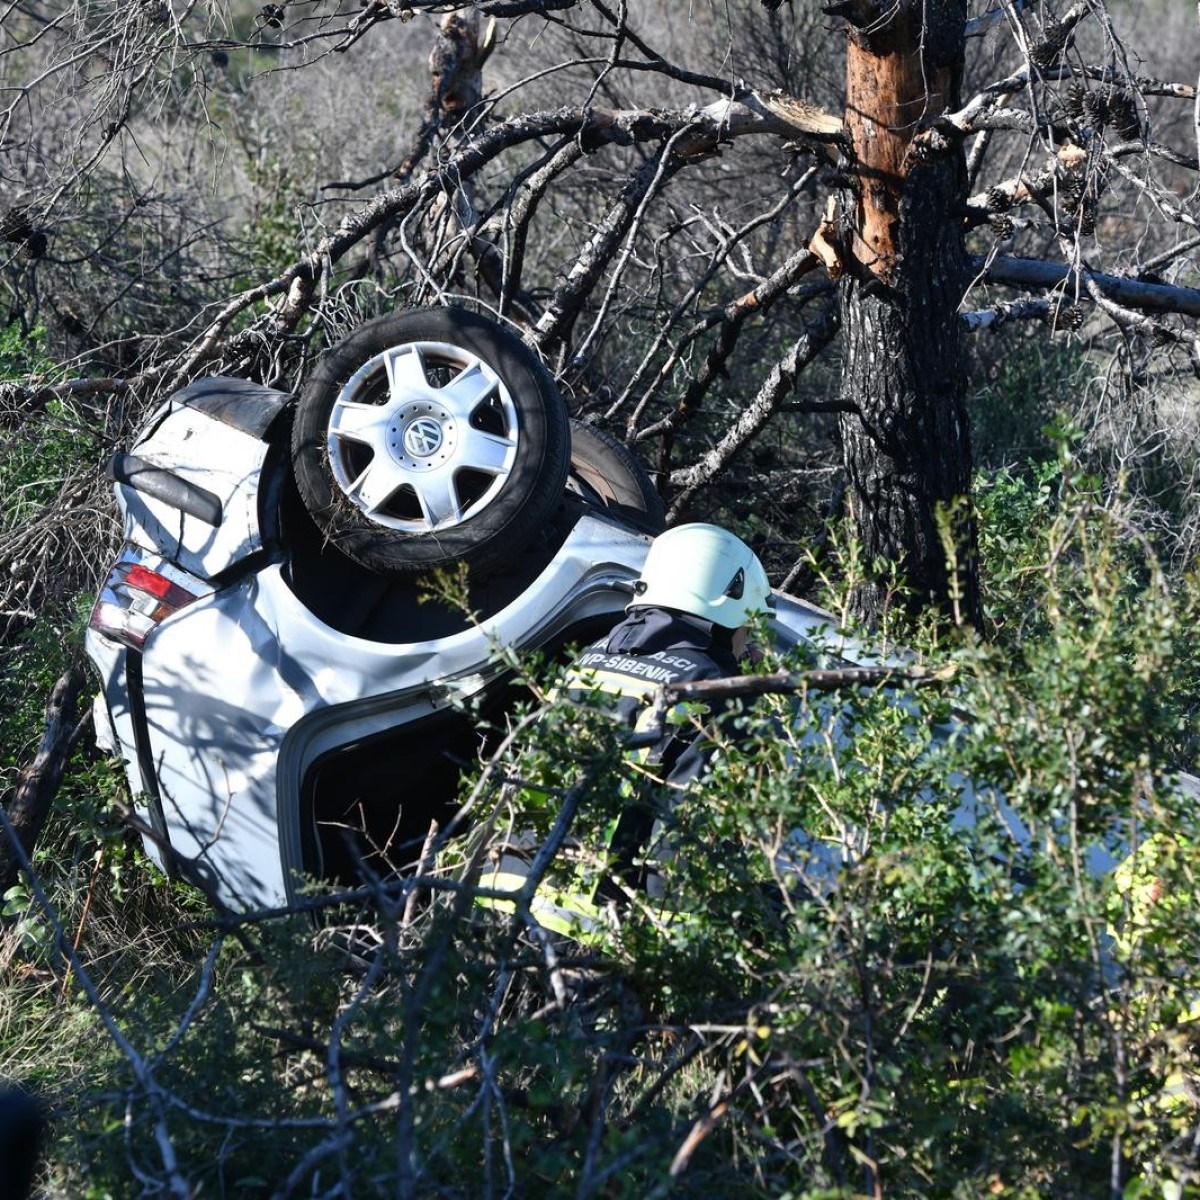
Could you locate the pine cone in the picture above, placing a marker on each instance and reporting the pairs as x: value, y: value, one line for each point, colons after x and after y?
x: 1095, y: 110
x: 33, y: 247
x: 921, y: 150
x: 1087, y: 217
x: 1002, y: 226
x: 998, y: 200
x: 1076, y: 94
x: 1065, y: 317
x: 14, y: 225
x: 1122, y: 109
x: 1071, y: 194
x: 1054, y: 40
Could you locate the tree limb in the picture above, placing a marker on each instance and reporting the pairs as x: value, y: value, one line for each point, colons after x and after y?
x: 778, y: 383
x: 786, y: 682
x: 734, y: 317
x: 37, y: 784
x: 1037, y: 273
x: 978, y: 26
x: 1011, y: 310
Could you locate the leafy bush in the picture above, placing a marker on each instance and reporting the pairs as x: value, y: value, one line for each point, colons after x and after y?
x: 867, y: 974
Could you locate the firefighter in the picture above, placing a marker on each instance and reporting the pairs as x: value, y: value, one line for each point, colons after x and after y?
x: 700, y: 590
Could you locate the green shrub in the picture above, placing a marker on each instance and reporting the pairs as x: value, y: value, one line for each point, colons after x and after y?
x: 933, y: 1006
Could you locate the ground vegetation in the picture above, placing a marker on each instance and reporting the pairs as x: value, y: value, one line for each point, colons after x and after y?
x: 936, y: 358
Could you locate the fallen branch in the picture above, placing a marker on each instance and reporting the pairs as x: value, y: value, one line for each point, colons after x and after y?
x: 731, y: 320
x: 706, y: 1123
x: 829, y: 680
x: 978, y: 26
x: 1132, y: 293
x: 1025, y: 309
x: 781, y: 683
x: 37, y: 784
x: 779, y: 382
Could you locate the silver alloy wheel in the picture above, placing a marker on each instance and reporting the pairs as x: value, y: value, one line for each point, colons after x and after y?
x: 422, y: 437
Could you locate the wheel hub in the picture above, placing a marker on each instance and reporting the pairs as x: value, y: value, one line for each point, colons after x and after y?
x: 422, y: 436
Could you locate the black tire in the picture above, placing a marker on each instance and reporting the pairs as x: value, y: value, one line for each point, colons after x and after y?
x: 605, y: 472
x: 420, y: 485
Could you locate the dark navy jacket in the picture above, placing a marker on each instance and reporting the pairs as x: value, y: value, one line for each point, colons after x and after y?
x: 652, y: 646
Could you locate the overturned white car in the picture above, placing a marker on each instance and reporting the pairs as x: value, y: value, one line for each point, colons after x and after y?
x: 275, y: 674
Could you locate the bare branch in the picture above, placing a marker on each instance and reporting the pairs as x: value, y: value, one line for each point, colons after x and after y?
x: 727, y: 245
x: 732, y: 318
x: 783, y: 683
x: 565, y: 304
x: 37, y: 784
x: 771, y: 112
x: 1012, y: 310
x: 1037, y: 273
x: 986, y: 21
x: 778, y: 383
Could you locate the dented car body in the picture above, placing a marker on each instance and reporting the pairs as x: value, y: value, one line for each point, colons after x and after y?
x: 268, y: 694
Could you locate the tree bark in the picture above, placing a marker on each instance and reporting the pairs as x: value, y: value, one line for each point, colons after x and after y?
x: 905, y: 439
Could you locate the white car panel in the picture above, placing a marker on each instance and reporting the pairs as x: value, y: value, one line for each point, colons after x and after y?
x: 232, y: 678
x: 109, y: 660
x: 217, y: 457
x: 236, y: 697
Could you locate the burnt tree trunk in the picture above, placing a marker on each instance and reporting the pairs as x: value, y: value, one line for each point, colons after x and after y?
x: 906, y: 443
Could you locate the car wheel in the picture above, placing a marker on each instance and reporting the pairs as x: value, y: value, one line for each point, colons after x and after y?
x: 428, y: 437
x: 604, y: 471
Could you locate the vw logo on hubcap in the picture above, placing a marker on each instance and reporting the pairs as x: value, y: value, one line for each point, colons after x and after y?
x: 423, y: 437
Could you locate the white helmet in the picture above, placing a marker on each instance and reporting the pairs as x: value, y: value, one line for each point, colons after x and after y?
x: 705, y: 571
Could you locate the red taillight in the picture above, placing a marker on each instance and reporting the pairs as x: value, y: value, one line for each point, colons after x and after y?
x: 137, y: 596
x: 141, y: 579
x: 147, y: 581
